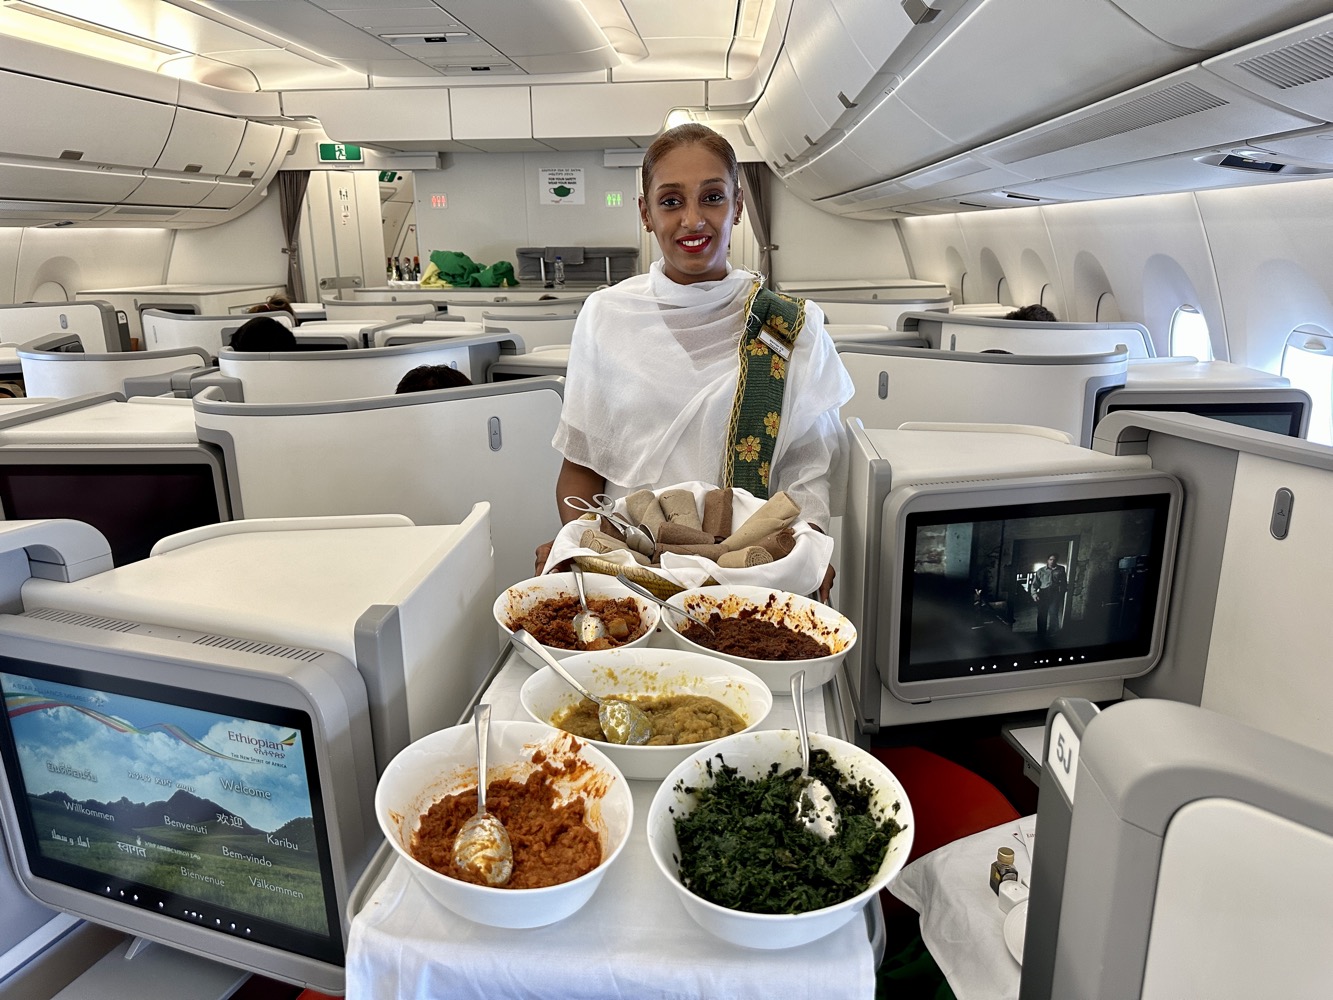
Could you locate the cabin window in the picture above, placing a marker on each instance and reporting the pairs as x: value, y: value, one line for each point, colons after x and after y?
x: 1189, y: 336
x: 1307, y: 361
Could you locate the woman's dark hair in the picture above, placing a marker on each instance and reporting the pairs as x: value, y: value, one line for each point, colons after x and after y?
x: 691, y: 133
x: 426, y: 377
x: 274, y: 303
x: 1033, y: 314
x: 263, y: 333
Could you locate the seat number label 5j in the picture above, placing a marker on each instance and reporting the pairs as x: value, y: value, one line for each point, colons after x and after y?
x: 1062, y: 755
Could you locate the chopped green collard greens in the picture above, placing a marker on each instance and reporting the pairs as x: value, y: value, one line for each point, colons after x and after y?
x: 740, y: 847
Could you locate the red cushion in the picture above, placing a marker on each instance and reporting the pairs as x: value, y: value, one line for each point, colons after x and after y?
x: 948, y: 801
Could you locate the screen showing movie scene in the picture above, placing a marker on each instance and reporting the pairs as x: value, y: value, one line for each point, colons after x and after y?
x: 1005, y: 589
x: 1275, y: 417
x: 137, y: 791
x: 132, y: 505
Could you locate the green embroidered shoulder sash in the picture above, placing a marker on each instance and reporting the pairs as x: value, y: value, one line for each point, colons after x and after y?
x: 772, y: 323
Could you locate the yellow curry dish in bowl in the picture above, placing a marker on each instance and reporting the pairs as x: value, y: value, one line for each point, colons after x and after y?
x: 691, y: 699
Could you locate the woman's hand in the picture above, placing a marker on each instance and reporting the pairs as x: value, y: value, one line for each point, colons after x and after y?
x: 826, y: 587
x: 576, y: 481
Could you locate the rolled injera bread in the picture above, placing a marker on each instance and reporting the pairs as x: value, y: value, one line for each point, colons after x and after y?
x: 717, y: 512
x: 643, y: 508
x: 680, y: 507
x: 751, y: 555
x: 600, y: 542
x: 673, y: 533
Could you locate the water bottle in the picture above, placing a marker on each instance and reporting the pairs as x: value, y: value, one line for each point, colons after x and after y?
x: 559, y: 272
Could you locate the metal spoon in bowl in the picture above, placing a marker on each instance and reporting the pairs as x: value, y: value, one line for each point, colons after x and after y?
x: 588, y: 628
x: 482, y: 846
x: 621, y: 722
x: 815, y: 808
x: 649, y: 595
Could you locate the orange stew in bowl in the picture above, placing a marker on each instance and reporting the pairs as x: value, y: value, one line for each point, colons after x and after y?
x: 550, y: 621
x: 552, y: 843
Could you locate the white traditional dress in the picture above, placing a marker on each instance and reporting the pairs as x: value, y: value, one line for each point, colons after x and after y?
x: 652, y: 380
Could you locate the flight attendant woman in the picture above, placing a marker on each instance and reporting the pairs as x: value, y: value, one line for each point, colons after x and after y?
x: 654, y: 394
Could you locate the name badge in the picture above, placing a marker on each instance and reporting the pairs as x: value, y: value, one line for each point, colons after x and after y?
x: 775, y: 345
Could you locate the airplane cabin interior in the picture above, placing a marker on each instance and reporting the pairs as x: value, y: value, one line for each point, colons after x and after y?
x: 1070, y: 258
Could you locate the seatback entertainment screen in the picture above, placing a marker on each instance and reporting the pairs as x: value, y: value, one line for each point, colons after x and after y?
x: 199, y: 808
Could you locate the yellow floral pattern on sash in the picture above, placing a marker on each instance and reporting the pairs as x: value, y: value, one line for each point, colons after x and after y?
x: 771, y: 422
x: 778, y: 367
x: 748, y: 449
x: 779, y: 323
x: 763, y: 473
x: 758, y: 348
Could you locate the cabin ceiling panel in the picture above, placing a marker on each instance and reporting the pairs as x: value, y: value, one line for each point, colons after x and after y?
x: 307, y: 25
x: 1219, y: 24
x: 608, y: 114
x: 376, y: 117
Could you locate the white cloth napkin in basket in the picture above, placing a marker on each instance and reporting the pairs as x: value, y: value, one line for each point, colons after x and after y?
x: 800, y: 571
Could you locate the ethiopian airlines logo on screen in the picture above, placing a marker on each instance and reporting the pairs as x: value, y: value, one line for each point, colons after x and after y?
x: 271, y: 750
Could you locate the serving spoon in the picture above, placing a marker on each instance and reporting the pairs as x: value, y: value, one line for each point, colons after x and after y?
x: 649, y: 595
x: 621, y: 722
x: 588, y: 628
x: 815, y: 808
x: 482, y: 846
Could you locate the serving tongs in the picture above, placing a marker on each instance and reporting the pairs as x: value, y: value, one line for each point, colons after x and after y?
x: 637, y: 536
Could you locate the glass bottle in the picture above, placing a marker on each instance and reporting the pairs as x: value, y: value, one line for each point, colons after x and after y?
x: 559, y: 272
x: 416, y: 268
x: 388, y: 269
x: 1002, y: 869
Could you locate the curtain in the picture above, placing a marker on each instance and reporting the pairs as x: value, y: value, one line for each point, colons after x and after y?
x: 754, y: 183
x: 292, y: 185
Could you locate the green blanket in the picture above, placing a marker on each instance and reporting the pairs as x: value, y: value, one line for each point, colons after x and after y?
x: 461, y: 271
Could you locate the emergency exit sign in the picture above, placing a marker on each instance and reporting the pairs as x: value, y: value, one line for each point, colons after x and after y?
x: 339, y: 152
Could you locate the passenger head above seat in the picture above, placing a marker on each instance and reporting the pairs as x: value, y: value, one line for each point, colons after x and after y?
x: 275, y: 303
x: 424, y: 377
x: 1033, y: 313
x: 263, y: 333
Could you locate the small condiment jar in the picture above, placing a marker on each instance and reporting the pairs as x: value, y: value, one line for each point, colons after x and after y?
x: 1002, y: 869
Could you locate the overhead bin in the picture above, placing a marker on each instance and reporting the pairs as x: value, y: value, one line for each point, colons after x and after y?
x: 889, y: 141
x: 173, y: 188
x: 1219, y: 24
x: 201, y: 143
x: 22, y: 178
x: 260, y: 145
x: 77, y: 124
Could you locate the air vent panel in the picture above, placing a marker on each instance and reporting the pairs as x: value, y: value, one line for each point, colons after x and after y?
x: 1169, y: 104
x: 261, y: 648
x: 1305, y: 62
x: 82, y: 620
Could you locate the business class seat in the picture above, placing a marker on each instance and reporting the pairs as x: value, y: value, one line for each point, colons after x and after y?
x: 320, y: 376
x: 542, y: 330
x: 52, y: 367
x: 961, y: 332
x: 414, y: 331
x: 166, y: 330
x: 474, y: 309
x: 895, y: 385
x: 383, y: 312
x: 429, y: 455
x: 870, y: 333
x: 94, y: 322
x: 552, y: 361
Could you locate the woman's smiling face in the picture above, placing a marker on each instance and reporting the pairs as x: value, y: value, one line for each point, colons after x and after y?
x: 690, y: 206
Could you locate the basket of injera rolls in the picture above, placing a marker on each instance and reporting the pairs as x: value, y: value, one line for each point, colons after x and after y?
x: 682, y: 524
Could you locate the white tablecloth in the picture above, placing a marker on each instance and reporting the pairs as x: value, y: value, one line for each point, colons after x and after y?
x: 632, y: 941
x: 961, y: 920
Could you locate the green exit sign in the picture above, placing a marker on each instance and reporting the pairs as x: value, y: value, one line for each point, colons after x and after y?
x: 339, y: 152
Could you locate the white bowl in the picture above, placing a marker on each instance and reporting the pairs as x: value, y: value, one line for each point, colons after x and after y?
x: 781, y: 608
x: 648, y: 671
x: 445, y: 763
x: 517, y: 599
x: 752, y: 754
